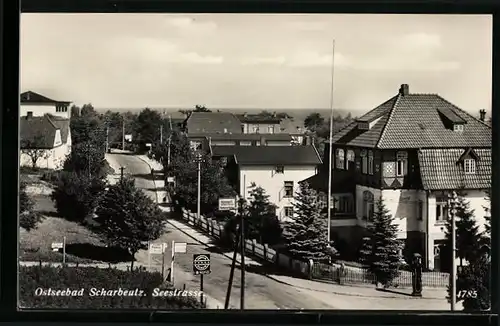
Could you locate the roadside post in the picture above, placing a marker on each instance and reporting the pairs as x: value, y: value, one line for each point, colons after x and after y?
x: 229, y: 204
x: 177, y: 247
x: 201, y: 266
x: 64, y: 250
x: 56, y: 246
x: 157, y: 249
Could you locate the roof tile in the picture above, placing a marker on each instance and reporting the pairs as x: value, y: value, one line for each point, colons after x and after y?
x: 213, y: 122
x: 270, y: 155
x: 440, y: 169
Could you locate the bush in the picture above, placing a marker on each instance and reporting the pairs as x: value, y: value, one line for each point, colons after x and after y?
x: 86, y: 278
x: 51, y: 176
x: 76, y: 195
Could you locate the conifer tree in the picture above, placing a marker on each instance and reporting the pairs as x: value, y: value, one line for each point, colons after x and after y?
x: 305, y: 236
x: 381, y: 249
x: 474, y: 279
x: 128, y: 218
x: 262, y: 223
x: 468, y: 237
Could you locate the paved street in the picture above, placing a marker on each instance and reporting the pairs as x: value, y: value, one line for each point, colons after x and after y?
x: 261, y: 291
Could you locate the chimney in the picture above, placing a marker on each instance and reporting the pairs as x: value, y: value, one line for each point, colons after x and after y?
x: 245, y: 114
x: 482, y: 115
x: 274, y: 115
x: 29, y: 115
x: 404, y: 89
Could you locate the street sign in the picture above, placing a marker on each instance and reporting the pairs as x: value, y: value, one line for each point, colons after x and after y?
x: 227, y: 204
x: 157, y: 248
x: 128, y: 137
x: 201, y: 264
x: 180, y: 247
x: 57, y: 245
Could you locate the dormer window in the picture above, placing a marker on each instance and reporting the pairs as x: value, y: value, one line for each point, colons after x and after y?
x: 470, y: 166
x: 363, y: 125
x: 468, y: 160
x: 458, y: 127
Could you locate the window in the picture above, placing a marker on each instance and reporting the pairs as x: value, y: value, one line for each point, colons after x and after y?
x: 344, y: 204
x: 364, y: 162
x: 280, y: 169
x: 350, y: 159
x: 288, y: 189
x: 270, y: 129
x: 368, y: 205
x: 288, y: 211
x: 340, y: 159
x: 420, y: 210
x: 458, y: 127
x: 255, y: 129
x: 242, y: 129
x: 370, y: 162
x: 441, y: 209
x: 245, y: 143
x: 469, y: 166
x: 401, y: 159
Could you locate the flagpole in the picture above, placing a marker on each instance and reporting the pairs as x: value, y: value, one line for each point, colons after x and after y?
x: 330, y: 150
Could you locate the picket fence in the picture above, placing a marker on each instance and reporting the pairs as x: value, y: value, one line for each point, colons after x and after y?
x: 252, y: 247
x: 309, y: 270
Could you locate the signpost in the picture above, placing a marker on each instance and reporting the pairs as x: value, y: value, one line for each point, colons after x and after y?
x: 227, y: 204
x: 60, y: 245
x: 181, y: 248
x: 157, y: 249
x: 201, y: 266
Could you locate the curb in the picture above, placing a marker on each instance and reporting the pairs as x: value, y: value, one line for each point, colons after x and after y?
x: 278, y: 280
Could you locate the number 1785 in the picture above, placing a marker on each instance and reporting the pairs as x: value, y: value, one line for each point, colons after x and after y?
x: 466, y: 294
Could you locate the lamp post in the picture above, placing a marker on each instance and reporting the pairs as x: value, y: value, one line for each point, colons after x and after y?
x: 330, y: 151
x: 452, y: 203
x: 198, y: 201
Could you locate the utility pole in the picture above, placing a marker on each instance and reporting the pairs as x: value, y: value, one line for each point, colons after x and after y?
x: 121, y: 173
x: 233, y: 266
x: 123, y: 134
x: 107, y: 139
x: 452, y: 203
x: 242, y: 263
x: 329, y: 217
x: 169, y: 140
x: 198, y: 202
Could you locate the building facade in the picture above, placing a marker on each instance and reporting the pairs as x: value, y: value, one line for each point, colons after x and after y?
x: 38, y: 105
x: 278, y: 170
x: 411, y: 151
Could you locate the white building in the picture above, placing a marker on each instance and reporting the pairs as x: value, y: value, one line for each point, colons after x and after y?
x: 44, y: 141
x: 38, y: 105
x: 412, y: 151
x: 277, y: 169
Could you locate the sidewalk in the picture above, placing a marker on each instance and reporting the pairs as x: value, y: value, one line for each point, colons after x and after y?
x: 322, y: 288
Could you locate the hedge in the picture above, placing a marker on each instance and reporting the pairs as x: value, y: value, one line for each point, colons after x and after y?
x: 86, y: 280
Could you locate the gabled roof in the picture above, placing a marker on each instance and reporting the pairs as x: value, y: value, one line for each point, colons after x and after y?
x: 284, y: 137
x: 441, y: 169
x: 416, y: 121
x: 32, y: 97
x: 63, y: 125
x: 37, y: 132
x: 269, y: 155
x: 213, y: 123
x: 257, y: 118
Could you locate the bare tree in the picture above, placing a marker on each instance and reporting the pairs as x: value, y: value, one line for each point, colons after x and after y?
x: 34, y: 149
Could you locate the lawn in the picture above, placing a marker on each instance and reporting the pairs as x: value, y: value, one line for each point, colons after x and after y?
x: 82, y: 245
x: 36, y: 244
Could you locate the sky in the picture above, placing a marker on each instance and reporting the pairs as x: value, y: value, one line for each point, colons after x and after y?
x: 255, y: 61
